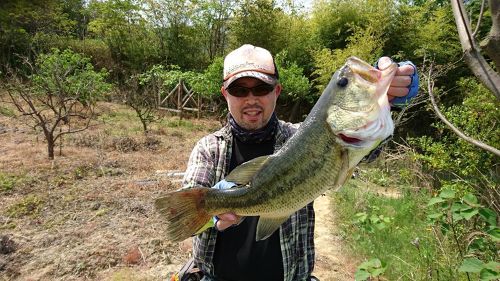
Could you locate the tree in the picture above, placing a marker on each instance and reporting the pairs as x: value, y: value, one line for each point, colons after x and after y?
x: 131, y: 40
x: 60, y: 95
x: 296, y: 87
x: 348, y: 28
x: 141, y: 93
x: 364, y: 43
x: 212, y: 22
x: 174, y: 24
x: 475, y: 60
x: 23, y: 23
x: 257, y: 22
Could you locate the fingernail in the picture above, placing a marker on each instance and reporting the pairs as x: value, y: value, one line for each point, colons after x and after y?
x: 384, y: 62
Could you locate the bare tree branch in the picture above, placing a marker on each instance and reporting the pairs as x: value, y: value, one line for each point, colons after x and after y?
x: 85, y: 127
x: 491, y: 44
x: 479, y: 19
x: 473, y: 57
x: 430, y: 87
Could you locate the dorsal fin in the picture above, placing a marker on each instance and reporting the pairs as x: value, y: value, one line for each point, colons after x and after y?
x: 244, y: 172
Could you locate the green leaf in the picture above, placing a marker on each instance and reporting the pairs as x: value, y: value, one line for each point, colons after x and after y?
x: 457, y: 207
x: 471, y: 200
x: 360, y: 217
x: 495, y: 234
x: 468, y: 214
x: 380, y: 226
x: 378, y: 271
x: 361, y: 275
x: 488, y: 274
x: 447, y: 194
x: 489, y: 216
x: 457, y: 216
x: 373, y: 263
x: 493, y: 265
x: 471, y: 265
x: 435, y: 200
x: 374, y: 219
x: 435, y: 216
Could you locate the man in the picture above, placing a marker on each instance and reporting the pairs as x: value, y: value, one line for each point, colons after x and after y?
x: 228, y: 250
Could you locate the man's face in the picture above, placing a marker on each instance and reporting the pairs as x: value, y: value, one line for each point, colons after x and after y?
x: 251, y: 112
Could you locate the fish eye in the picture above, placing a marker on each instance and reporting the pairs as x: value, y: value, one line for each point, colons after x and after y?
x: 342, y: 82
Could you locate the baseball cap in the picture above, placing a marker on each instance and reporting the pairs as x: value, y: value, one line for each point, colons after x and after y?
x: 250, y: 61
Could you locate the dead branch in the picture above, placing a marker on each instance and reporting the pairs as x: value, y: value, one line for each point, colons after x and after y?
x: 430, y: 88
x: 491, y: 44
x: 472, y: 54
x: 479, y: 19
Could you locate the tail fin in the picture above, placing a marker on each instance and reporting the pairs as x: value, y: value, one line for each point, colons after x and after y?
x: 184, y: 211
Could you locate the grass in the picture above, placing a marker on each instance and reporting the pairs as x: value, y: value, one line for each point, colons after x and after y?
x: 7, y: 182
x: 127, y: 274
x: 18, y: 180
x: 405, y: 241
x: 125, y: 123
x: 117, y: 116
x: 30, y: 205
x: 6, y: 111
x: 180, y: 123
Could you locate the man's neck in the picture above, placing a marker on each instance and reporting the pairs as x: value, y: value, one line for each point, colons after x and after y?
x: 255, y: 136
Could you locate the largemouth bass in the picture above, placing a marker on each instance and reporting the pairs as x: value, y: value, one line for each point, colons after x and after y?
x: 351, y: 118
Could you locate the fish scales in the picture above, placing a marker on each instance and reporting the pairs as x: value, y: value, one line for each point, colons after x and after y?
x: 322, y: 156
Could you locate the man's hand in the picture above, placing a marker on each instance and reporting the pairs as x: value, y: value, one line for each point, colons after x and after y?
x: 225, y: 220
x: 404, y: 86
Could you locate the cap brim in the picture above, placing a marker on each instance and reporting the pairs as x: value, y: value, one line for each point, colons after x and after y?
x: 266, y: 78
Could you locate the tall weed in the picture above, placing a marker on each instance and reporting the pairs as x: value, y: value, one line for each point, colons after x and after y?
x: 395, y: 231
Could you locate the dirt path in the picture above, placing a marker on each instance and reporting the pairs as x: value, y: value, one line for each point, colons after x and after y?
x: 332, y: 263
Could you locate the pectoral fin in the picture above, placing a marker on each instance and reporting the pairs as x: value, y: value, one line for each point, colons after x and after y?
x: 244, y: 172
x: 268, y: 225
x: 344, y: 171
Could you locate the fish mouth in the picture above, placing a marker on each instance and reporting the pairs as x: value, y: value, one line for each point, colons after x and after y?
x: 368, y: 135
x: 365, y: 71
x: 350, y: 140
x: 353, y: 140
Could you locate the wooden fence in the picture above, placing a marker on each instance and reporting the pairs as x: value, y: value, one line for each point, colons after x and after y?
x: 180, y: 99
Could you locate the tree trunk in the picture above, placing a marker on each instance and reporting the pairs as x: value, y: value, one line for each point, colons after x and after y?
x: 473, y: 57
x: 50, y: 146
x: 492, y: 42
x: 294, y: 112
x: 144, y: 125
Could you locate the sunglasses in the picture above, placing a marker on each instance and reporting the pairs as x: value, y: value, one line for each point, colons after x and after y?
x: 258, y: 91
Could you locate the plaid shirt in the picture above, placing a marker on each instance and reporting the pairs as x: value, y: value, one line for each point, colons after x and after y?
x: 208, y: 164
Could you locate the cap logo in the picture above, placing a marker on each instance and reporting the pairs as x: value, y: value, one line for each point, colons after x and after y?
x: 247, y: 66
x: 249, y: 61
